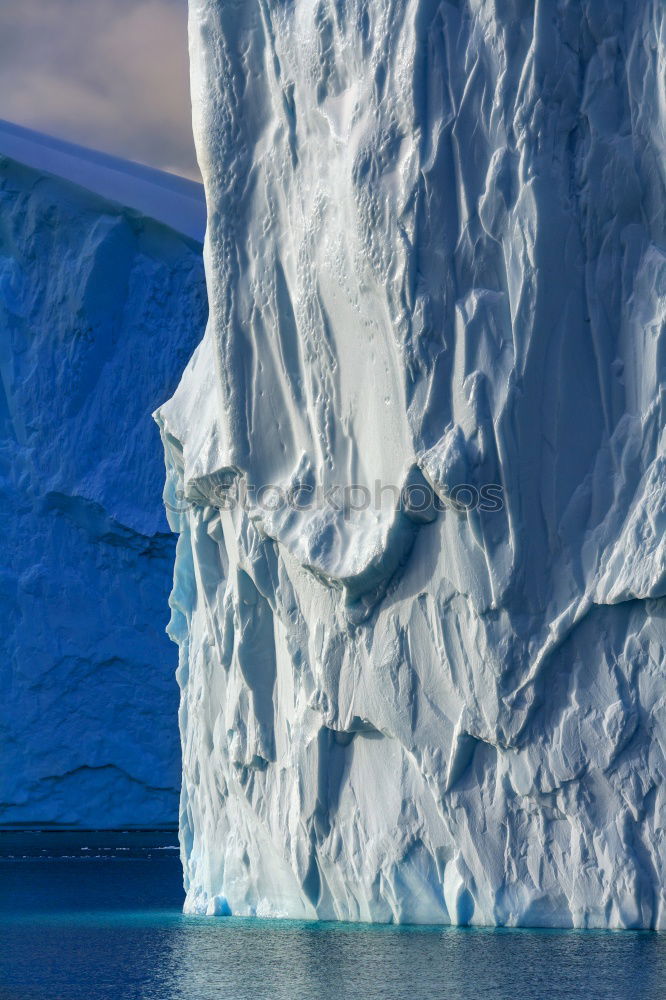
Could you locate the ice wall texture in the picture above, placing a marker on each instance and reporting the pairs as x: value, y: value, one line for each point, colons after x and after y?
x: 100, y: 308
x: 435, y: 253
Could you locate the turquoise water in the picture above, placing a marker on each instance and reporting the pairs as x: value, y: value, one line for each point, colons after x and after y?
x: 97, y: 918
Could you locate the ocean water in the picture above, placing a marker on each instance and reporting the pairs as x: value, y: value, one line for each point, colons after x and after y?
x: 97, y: 917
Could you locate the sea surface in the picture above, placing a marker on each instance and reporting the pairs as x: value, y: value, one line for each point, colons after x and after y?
x: 97, y: 917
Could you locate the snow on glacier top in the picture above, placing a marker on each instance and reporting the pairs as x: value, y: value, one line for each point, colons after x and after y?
x: 176, y: 201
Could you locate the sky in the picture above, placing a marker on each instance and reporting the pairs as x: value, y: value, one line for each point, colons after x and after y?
x: 110, y: 74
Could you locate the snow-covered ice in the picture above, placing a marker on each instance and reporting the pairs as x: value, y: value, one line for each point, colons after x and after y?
x: 100, y: 308
x: 436, y: 254
x: 175, y: 201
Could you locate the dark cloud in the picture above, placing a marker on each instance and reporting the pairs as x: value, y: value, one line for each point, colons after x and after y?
x: 111, y: 74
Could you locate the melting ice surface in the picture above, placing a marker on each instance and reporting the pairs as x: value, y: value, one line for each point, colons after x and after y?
x: 435, y: 253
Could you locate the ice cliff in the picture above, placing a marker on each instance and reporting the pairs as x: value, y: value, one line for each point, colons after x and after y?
x: 435, y: 260
x: 101, y: 305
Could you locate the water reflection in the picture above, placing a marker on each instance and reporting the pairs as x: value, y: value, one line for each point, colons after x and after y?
x: 108, y: 925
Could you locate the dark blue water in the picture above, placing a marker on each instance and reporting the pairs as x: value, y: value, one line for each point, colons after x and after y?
x: 104, y: 924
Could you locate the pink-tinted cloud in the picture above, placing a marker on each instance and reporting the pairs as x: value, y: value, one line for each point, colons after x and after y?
x: 111, y: 74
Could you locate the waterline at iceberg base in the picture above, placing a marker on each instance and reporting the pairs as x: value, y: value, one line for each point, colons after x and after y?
x: 435, y: 255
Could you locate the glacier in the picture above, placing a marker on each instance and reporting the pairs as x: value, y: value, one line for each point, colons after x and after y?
x: 102, y: 301
x: 436, y: 262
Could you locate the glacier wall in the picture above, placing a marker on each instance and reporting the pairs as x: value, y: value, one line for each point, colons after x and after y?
x: 100, y: 308
x: 435, y: 258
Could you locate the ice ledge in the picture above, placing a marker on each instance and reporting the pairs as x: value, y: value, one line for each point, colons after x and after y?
x: 167, y: 198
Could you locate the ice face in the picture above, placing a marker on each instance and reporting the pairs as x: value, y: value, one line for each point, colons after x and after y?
x: 100, y: 308
x: 434, y: 258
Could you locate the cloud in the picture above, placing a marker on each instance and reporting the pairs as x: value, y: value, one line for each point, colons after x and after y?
x: 110, y: 74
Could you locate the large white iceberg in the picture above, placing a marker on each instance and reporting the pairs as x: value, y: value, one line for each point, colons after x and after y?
x: 436, y: 259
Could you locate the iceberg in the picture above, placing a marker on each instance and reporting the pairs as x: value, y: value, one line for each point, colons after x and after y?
x: 436, y: 264
x: 102, y: 301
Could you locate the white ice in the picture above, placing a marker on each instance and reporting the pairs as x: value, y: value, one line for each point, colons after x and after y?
x: 436, y: 254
